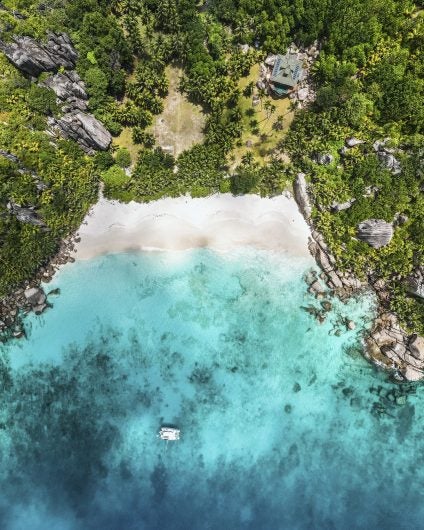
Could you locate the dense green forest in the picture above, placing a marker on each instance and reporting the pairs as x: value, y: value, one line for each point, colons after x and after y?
x: 369, y: 84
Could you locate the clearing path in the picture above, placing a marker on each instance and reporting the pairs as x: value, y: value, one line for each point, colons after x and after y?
x: 181, y: 123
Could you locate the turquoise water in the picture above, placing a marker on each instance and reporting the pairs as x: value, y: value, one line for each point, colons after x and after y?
x: 284, y: 425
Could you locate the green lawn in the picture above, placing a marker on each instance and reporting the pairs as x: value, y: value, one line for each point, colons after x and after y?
x: 265, y: 140
x: 181, y: 123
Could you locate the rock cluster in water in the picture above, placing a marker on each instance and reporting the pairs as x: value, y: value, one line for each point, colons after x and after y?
x: 30, y: 295
x: 388, y: 345
x: 26, y: 215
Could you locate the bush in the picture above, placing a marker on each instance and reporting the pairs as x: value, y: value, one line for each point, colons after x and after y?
x: 103, y: 160
x: 114, y: 176
x: 141, y: 137
x: 42, y: 100
x: 243, y: 182
x: 123, y: 157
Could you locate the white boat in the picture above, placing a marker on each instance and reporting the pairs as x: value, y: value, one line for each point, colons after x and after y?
x: 169, y: 433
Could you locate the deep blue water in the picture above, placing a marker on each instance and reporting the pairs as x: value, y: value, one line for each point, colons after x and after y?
x: 284, y: 425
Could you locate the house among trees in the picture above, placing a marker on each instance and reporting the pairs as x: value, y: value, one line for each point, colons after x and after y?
x: 287, y: 72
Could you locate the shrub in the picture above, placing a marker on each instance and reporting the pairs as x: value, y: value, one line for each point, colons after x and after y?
x: 114, y: 176
x: 123, y: 157
x: 42, y: 100
x: 103, y: 160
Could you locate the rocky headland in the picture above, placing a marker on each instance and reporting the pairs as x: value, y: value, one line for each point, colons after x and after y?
x: 30, y: 295
x: 387, y: 345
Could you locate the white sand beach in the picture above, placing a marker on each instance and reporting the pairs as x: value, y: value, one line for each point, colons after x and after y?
x: 221, y: 222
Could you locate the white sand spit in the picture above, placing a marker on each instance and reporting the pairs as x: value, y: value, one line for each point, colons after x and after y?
x: 220, y: 222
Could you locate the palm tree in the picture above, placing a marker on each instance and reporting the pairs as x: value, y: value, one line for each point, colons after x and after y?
x: 269, y: 109
x: 248, y: 91
x: 278, y: 125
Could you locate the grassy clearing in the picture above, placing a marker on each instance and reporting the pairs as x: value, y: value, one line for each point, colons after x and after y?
x: 125, y: 140
x: 260, y: 142
x: 181, y: 124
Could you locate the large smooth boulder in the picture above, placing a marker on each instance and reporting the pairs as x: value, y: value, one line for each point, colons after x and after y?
x: 25, y: 215
x: 340, y: 206
x: 415, y: 282
x: 416, y: 347
x: 376, y: 232
x: 84, y: 128
x: 32, y: 57
x: 352, y: 142
x: 35, y: 296
x: 300, y: 189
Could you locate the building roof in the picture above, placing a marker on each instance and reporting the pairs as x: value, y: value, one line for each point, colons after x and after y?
x: 287, y: 71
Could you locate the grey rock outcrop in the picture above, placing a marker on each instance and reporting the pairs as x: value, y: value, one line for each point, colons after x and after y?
x: 389, y: 346
x: 324, y: 159
x: 300, y: 189
x: 390, y: 162
x: 35, y: 296
x: 340, y: 206
x: 415, y: 282
x: 83, y: 128
x: 386, y: 156
x: 11, y: 157
x: 376, y: 232
x: 32, y: 57
x: 344, y: 283
x: 66, y: 86
x: 416, y: 347
x: 25, y: 215
x: 352, y: 142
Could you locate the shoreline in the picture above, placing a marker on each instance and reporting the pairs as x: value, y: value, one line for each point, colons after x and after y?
x: 220, y: 222
x: 388, y: 346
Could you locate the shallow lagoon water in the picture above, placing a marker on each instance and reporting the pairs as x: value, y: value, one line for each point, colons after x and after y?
x: 284, y: 425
